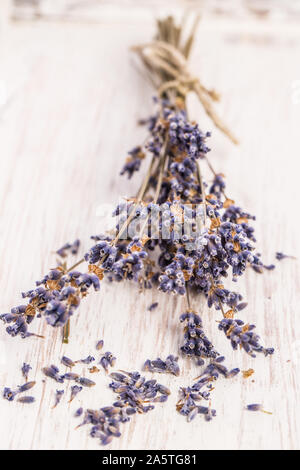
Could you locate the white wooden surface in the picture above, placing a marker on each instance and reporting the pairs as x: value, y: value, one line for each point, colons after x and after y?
x: 73, y: 99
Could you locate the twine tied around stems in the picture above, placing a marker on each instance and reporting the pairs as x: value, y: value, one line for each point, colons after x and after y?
x: 167, y: 63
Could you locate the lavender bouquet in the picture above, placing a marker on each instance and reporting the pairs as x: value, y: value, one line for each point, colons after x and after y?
x: 178, y: 234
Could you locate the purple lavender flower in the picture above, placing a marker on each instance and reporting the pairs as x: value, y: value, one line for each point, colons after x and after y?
x: 196, y: 342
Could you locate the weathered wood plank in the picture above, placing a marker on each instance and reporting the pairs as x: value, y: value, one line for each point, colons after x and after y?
x: 73, y: 102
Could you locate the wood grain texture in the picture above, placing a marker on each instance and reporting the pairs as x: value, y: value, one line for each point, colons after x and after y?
x: 73, y: 99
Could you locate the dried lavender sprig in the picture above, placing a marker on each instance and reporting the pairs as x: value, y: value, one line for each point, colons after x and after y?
x: 196, y: 342
x: 243, y: 335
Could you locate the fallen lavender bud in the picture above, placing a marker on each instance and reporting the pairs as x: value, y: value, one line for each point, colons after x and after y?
x: 99, y: 345
x: 71, y: 376
x: 25, y: 370
x: 71, y: 247
x: 280, y: 256
x: 170, y: 365
x: 53, y: 373
x: 107, y: 360
x: 67, y: 362
x: 9, y: 394
x: 87, y: 360
x: 26, y: 386
x: 153, y: 306
x: 78, y: 412
x: 75, y: 389
x: 85, y: 382
x: 58, y: 397
x: 257, y: 407
x: 26, y: 399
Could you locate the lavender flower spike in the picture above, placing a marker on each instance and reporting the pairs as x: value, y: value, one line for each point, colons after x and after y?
x: 244, y: 336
